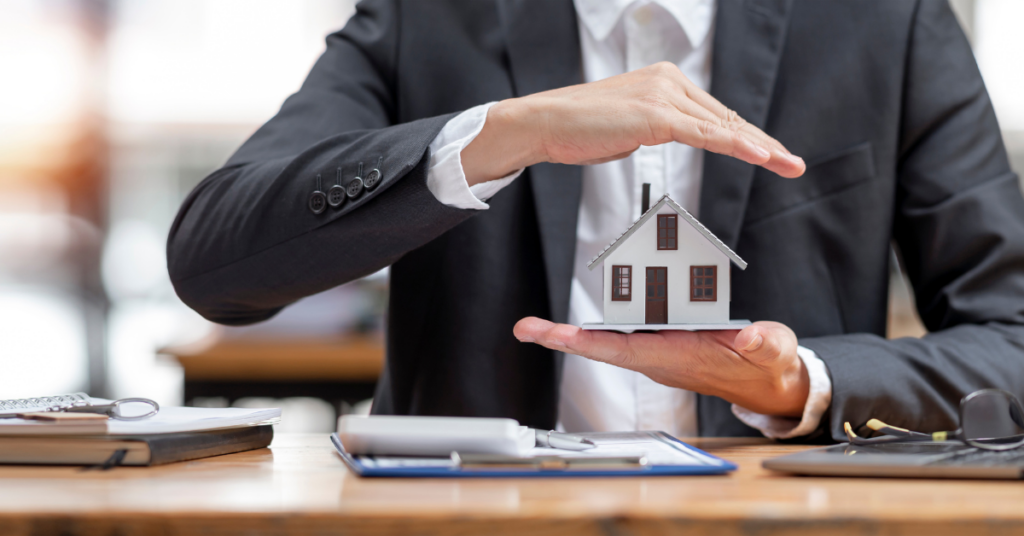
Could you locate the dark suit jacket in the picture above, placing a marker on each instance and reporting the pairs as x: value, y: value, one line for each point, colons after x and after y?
x: 882, y: 97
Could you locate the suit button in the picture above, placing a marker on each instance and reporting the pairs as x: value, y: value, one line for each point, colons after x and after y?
x: 372, y: 179
x: 317, y: 202
x: 354, y: 188
x: 336, y: 196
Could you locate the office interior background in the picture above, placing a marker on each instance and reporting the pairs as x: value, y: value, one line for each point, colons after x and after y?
x: 111, y: 111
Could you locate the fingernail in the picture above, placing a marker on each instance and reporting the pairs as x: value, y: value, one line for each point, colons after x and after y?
x: 762, y: 152
x: 554, y: 342
x: 796, y: 159
x: 526, y: 339
x: 755, y: 343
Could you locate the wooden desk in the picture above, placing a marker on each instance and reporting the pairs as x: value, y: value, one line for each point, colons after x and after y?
x: 299, y: 487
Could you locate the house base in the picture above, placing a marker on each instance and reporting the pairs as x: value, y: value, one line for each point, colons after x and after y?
x: 629, y: 328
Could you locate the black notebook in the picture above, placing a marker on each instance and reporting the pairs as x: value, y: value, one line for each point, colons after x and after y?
x: 146, y: 449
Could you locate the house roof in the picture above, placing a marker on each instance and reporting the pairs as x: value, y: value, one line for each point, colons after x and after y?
x: 666, y: 200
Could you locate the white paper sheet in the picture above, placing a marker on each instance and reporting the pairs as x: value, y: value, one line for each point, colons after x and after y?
x: 658, y: 447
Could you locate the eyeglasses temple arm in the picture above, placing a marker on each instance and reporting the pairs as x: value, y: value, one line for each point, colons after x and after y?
x: 852, y: 436
x: 888, y: 429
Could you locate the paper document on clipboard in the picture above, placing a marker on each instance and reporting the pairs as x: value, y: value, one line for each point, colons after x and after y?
x: 661, y: 453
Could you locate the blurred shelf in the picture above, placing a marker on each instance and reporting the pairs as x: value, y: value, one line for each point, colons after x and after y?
x: 355, y: 358
x: 342, y: 370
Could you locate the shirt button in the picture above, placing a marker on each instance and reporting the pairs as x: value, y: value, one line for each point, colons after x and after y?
x: 336, y: 196
x: 354, y: 188
x: 642, y: 15
x: 317, y: 202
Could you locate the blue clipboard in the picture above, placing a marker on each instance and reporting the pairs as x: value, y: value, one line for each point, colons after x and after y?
x: 367, y: 466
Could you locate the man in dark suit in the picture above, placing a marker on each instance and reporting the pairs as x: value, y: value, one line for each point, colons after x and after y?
x: 883, y: 98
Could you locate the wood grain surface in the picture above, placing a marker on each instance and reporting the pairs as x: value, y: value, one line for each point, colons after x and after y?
x: 300, y: 486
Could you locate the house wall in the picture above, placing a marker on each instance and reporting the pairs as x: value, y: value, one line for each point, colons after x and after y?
x: 641, y: 251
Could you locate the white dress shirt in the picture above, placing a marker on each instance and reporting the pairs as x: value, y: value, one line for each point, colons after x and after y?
x: 617, y: 37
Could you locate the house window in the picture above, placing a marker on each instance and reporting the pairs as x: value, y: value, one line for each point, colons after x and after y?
x: 622, y: 283
x: 703, y: 283
x: 668, y: 231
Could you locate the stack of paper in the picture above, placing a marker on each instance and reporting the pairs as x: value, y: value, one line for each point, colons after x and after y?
x: 173, y: 434
x: 169, y: 420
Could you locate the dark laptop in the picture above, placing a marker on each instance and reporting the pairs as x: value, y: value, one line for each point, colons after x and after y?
x: 930, y: 460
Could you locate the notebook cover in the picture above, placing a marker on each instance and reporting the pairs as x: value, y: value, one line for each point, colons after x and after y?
x: 168, y: 448
x: 453, y: 472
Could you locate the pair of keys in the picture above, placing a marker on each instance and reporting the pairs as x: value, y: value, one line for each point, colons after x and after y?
x: 112, y: 410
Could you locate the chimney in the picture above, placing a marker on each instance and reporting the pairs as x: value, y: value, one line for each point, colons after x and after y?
x: 645, y: 198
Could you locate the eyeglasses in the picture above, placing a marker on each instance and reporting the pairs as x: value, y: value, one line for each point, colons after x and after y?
x: 990, y: 419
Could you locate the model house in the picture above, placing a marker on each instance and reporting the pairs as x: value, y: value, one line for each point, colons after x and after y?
x: 667, y: 271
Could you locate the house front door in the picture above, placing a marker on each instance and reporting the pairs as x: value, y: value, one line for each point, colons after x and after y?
x: 657, y: 296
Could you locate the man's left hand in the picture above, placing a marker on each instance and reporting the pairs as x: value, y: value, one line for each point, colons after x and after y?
x: 757, y: 367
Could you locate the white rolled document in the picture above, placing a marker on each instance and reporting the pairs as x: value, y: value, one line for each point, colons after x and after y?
x: 397, y: 435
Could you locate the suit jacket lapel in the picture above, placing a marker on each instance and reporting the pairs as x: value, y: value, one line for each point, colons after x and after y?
x: 544, y: 53
x: 749, y: 38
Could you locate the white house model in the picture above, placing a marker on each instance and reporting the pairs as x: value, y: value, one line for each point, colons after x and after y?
x: 667, y: 271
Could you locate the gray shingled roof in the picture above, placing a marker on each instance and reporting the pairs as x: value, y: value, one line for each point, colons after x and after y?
x: 665, y: 199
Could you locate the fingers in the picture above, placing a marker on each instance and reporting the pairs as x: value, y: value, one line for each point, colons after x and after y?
x: 782, y: 161
x: 714, y: 137
x: 763, y: 342
x: 723, y: 114
x: 767, y: 141
x: 708, y: 135
x: 698, y: 104
x: 787, y: 166
x: 604, y: 346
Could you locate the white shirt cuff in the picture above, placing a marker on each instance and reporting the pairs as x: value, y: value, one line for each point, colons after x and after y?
x: 818, y: 399
x: 446, y: 178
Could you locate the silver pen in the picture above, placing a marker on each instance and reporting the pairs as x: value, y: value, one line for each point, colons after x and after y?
x: 558, y: 440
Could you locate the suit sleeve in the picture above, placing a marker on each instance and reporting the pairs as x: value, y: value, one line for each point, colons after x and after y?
x: 960, y: 228
x: 246, y: 242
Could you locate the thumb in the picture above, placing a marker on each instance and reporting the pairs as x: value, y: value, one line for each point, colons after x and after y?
x: 761, y: 341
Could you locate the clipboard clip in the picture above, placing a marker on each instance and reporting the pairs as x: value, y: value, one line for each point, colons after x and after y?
x: 548, y: 463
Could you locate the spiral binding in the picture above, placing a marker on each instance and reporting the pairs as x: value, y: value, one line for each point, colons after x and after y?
x: 45, y: 402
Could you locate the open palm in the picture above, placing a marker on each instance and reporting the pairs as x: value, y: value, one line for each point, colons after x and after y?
x: 756, y: 367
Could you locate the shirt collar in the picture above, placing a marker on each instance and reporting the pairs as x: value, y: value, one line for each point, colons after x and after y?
x: 601, y: 16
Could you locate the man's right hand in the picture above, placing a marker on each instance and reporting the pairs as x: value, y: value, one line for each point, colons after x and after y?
x: 609, y: 119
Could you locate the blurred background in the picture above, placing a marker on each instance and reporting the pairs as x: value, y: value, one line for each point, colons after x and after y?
x: 112, y: 110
